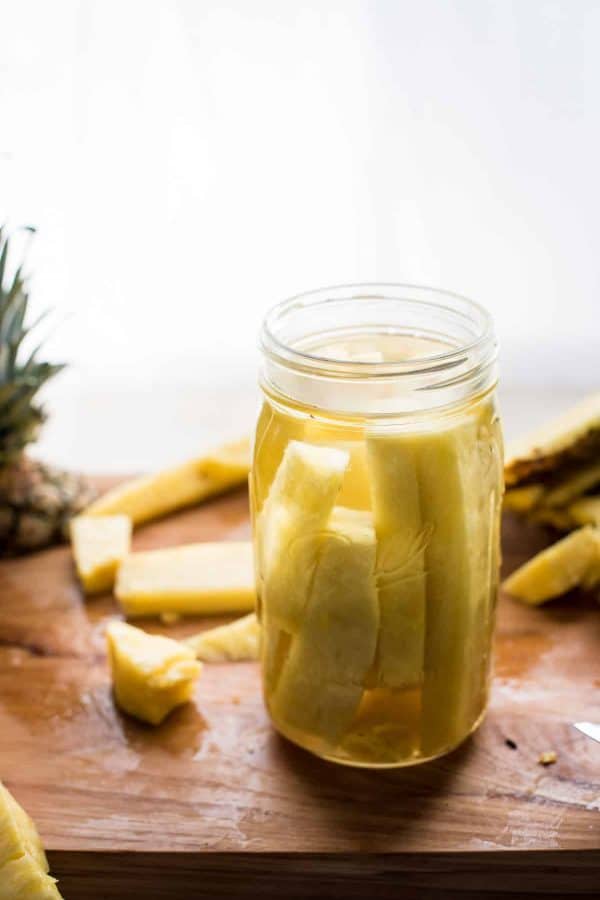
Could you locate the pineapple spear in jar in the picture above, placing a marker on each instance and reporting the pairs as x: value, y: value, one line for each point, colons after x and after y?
x: 36, y: 500
x: 376, y: 489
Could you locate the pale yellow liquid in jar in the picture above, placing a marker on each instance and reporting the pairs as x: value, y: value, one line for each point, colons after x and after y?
x: 377, y: 571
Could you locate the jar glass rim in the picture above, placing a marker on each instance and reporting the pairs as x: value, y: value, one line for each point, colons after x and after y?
x: 438, y: 300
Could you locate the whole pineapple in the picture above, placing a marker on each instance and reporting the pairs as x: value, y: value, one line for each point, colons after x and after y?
x: 36, y: 500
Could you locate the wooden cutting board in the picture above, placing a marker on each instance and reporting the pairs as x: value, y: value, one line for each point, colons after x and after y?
x: 216, y: 803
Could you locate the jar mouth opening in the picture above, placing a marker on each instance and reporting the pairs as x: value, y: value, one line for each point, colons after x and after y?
x: 458, y: 329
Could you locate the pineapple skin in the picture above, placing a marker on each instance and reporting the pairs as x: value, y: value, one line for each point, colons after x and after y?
x: 194, y: 579
x: 100, y: 544
x: 152, y: 496
x: 23, y: 865
x: 151, y: 674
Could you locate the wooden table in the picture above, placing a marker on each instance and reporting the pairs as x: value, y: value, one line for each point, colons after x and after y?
x: 214, y: 804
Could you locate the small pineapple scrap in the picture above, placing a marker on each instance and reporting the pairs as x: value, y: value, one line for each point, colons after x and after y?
x: 100, y: 544
x: 573, y: 436
x: 151, y: 674
x: 195, y: 579
x: 586, y: 511
x: 523, y: 499
x: 236, y: 641
x: 191, y: 482
x: 547, y: 758
x: 572, y: 561
x: 23, y: 865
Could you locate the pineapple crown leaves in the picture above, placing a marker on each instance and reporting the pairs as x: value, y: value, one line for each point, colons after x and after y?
x: 21, y: 375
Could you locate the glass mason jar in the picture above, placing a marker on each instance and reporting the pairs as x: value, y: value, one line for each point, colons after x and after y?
x: 376, y: 488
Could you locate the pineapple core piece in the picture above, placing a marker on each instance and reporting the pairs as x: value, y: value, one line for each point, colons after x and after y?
x: 99, y: 546
x: 299, y: 504
x: 236, y: 641
x: 573, y: 561
x: 23, y: 864
x: 322, y: 680
x: 402, y: 536
x: 195, y: 579
x: 156, y: 495
x: 151, y: 674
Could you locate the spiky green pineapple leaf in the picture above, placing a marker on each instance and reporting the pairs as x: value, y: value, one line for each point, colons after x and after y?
x: 20, y: 378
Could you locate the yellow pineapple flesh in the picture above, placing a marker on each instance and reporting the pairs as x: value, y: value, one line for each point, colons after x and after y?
x: 571, y: 562
x: 100, y: 544
x: 23, y: 865
x: 586, y: 511
x: 194, y: 579
x: 239, y: 640
x: 191, y: 482
x: 151, y: 674
x: 323, y: 677
x: 299, y: 504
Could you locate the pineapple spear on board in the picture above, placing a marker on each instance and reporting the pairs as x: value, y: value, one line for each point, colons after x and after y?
x: 36, y: 500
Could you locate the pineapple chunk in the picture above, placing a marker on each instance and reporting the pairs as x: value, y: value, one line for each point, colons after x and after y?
x: 299, y: 504
x: 401, y: 537
x: 151, y: 674
x: 322, y: 680
x: 195, y: 579
x: 572, y: 561
x: 23, y: 864
x: 523, y: 499
x: 586, y: 511
x: 100, y: 543
x: 236, y: 641
x: 155, y: 495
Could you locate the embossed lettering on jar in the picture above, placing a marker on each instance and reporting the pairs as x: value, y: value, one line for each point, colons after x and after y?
x: 376, y: 489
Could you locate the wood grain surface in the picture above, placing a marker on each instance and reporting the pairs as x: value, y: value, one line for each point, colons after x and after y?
x: 215, y: 801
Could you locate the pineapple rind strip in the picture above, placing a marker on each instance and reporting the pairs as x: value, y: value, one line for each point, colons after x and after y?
x: 450, y: 580
x: 402, y: 537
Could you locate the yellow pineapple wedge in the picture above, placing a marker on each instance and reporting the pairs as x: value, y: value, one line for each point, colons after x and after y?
x: 23, y: 865
x: 401, y: 539
x: 299, y: 504
x: 151, y: 674
x: 323, y: 677
x: 571, y: 562
x: 100, y: 544
x: 586, y: 511
x: 194, y: 579
x: 156, y: 495
x: 236, y: 641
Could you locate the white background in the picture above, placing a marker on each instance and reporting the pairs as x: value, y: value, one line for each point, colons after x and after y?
x: 188, y: 163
